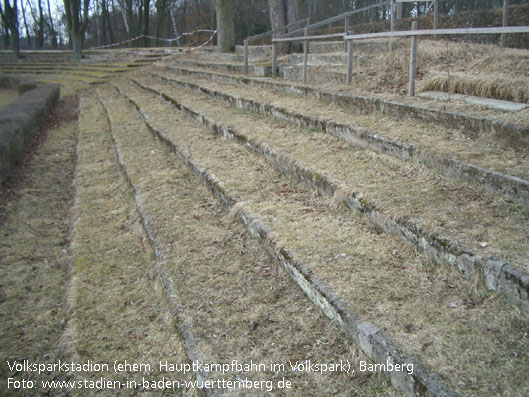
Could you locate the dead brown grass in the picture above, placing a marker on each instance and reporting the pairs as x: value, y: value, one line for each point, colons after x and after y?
x: 118, y: 311
x: 467, y: 335
x: 239, y: 306
x: 35, y: 256
x: 7, y: 96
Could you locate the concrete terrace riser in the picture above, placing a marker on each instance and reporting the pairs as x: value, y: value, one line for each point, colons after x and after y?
x: 135, y: 177
x: 471, y: 126
x: 511, y: 187
x: 183, y: 325
x: 373, y: 342
x: 495, y: 275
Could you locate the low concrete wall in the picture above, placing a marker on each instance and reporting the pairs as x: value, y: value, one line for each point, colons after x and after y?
x: 21, y: 119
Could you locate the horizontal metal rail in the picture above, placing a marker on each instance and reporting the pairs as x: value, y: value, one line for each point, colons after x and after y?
x: 432, y: 32
x: 334, y: 19
x: 317, y: 37
x: 251, y: 39
x: 271, y: 33
x: 350, y: 38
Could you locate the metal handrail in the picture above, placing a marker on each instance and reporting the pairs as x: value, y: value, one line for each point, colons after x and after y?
x: 251, y: 39
x: 335, y: 19
x: 349, y: 38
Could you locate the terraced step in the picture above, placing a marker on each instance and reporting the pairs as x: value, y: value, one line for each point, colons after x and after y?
x: 475, y: 124
x: 346, y: 267
x: 237, y: 68
x: 317, y: 72
x: 491, y: 174
x: 383, y: 189
x: 255, y: 50
x: 231, y: 301
x: 363, y: 46
x: 117, y: 311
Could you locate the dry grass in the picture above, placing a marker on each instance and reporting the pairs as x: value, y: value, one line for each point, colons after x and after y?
x: 34, y: 254
x: 487, y: 151
x: 469, y: 336
x: 118, y: 310
x: 396, y: 187
x: 239, y: 305
x: 7, y: 96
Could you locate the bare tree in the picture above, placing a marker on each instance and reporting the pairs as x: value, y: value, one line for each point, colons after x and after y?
x: 28, y: 35
x: 225, y: 25
x: 52, y: 28
x: 76, y: 24
x: 9, y: 14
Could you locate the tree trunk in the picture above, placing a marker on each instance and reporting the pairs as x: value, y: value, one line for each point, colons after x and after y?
x: 76, y: 25
x: 40, y: 32
x: 28, y: 35
x: 146, y: 22
x: 52, y: 28
x: 225, y: 25
x: 10, y: 18
x: 278, y: 18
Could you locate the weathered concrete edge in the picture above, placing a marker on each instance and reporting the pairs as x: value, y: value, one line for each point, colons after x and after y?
x: 20, y: 120
x: 373, y: 342
x: 255, y: 70
x: 183, y: 326
x: 511, y: 187
x: 472, y: 126
x: 494, y: 274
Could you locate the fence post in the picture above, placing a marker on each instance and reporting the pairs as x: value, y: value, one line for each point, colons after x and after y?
x: 436, y: 16
x: 346, y: 30
x: 399, y: 10
x: 413, y: 61
x: 392, y: 11
x: 274, y: 58
x: 350, y: 60
x: 503, y: 42
x: 305, y: 55
x: 246, y: 57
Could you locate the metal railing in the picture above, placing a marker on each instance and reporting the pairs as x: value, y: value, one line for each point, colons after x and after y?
x: 414, y: 34
x: 306, y: 38
x: 270, y: 33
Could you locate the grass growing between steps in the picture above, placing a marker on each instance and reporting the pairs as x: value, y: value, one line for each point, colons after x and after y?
x: 7, y: 96
x: 475, y: 340
x: 34, y: 251
x: 395, y: 187
x: 241, y: 306
x: 117, y: 306
x: 487, y: 151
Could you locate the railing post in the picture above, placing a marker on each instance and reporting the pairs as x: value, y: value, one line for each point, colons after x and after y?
x: 392, y: 12
x: 274, y: 58
x: 399, y: 10
x: 246, y: 57
x: 413, y: 61
x: 503, y: 40
x: 346, y: 30
x: 305, y: 55
x: 436, y: 16
x: 350, y: 60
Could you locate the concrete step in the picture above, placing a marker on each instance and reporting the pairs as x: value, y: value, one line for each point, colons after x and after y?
x: 282, y: 214
x: 332, y: 59
x: 446, y: 253
x: 235, y: 68
x: 117, y: 310
x: 317, y: 72
x: 255, y: 50
x: 232, y: 303
x: 362, y: 46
